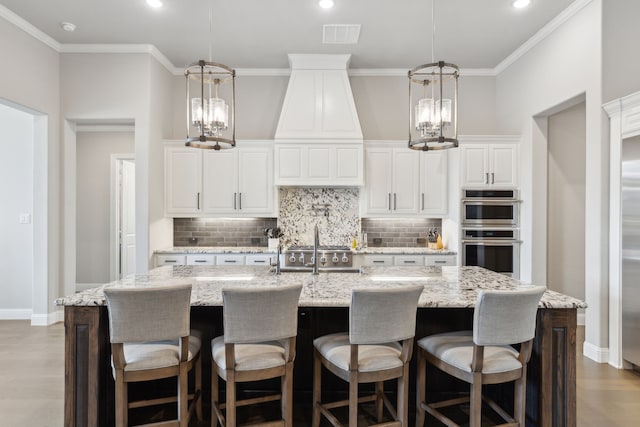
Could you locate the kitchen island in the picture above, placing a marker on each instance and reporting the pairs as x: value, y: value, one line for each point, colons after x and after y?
x: 446, y: 304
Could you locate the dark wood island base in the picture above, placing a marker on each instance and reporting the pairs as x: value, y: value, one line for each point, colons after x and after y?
x: 551, y: 383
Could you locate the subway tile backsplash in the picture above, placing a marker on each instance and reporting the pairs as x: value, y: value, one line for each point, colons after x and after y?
x: 220, y: 232
x: 398, y: 233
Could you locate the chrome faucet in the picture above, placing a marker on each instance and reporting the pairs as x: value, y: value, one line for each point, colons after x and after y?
x: 277, y: 263
x: 316, y: 243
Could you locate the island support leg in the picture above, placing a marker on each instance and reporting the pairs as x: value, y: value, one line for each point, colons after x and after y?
x: 88, y: 392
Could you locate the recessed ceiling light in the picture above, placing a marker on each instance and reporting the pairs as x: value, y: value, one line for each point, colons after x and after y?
x: 519, y: 4
x: 154, y: 3
x: 68, y: 26
x: 326, y: 4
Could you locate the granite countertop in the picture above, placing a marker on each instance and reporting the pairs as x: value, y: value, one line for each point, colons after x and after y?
x: 449, y: 287
x: 261, y: 249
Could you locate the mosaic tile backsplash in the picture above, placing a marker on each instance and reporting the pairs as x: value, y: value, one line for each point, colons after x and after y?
x: 335, y: 210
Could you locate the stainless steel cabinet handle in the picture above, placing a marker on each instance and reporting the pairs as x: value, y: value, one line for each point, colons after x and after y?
x: 259, y: 261
x: 378, y: 261
x: 493, y: 178
x: 240, y: 201
x: 439, y: 262
x: 486, y: 178
x: 170, y: 261
x: 422, y: 201
x: 409, y: 261
x: 199, y: 260
x: 234, y: 201
x: 198, y: 200
x: 389, y: 204
x: 395, y: 201
x: 230, y: 261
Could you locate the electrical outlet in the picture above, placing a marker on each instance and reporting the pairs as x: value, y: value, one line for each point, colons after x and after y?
x: 377, y: 240
x: 25, y: 218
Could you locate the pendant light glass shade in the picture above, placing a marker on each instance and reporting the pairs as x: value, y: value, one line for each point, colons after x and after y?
x: 433, y: 123
x: 208, y: 111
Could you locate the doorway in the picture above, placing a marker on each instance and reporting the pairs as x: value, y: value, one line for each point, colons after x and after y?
x: 123, y: 216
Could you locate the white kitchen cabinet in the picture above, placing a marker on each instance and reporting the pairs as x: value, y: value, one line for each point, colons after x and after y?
x: 408, y: 260
x: 315, y: 164
x: 236, y: 182
x: 201, y: 259
x: 259, y: 259
x: 392, y: 181
x: 377, y: 260
x: 440, y: 260
x: 170, y: 259
x: 489, y: 165
x: 230, y: 259
x: 434, y: 181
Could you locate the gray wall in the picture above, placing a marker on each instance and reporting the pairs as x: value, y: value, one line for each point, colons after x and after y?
x: 93, y: 198
x: 620, y: 59
x: 566, y: 201
x: 382, y: 104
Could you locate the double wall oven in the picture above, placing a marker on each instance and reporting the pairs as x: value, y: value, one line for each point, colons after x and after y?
x: 490, y: 230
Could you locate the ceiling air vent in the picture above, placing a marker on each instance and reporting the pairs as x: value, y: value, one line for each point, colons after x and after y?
x: 340, y: 33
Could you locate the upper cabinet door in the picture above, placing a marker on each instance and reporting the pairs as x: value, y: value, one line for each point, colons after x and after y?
x: 183, y: 178
x: 406, y: 184
x: 475, y: 165
x: 220, y: 181
x: 255, y: 181
x: 379, y: 174
x: 434, y: 183
x: 504, y: 162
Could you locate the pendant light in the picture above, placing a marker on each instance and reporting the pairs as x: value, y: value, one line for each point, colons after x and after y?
x: 212, y: 109
x: 433, y: 119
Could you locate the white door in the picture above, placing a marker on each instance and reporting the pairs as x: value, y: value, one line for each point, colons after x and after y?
x: 504, y: 165
x: 128, y: 219
x: 183, y: 180
x: 433, y: 181
x: 475, y: 165
x: 379, y: 173
x: 220, y: 182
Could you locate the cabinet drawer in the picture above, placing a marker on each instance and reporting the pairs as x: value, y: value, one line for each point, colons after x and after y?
x: 230, y: 260
x: 408, y: 260
x: 201, y: 259
x: 170, y: 260
x: 260, y: 259
x: 435, y: 260
x: 376, y: 260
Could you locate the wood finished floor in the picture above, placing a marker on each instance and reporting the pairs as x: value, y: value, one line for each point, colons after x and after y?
x: 32, y: 382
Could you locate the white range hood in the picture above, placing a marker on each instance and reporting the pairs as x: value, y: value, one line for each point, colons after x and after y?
x: 318, y: 141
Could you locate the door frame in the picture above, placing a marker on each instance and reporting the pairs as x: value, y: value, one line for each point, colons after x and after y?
x: 116, y: 208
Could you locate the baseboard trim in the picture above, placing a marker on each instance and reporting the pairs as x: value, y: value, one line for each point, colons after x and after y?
x: 597, y: 354
x: 15, y: 314
x: 47, y: 319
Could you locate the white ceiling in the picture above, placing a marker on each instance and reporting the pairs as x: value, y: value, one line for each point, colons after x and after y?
x: 259, y: 33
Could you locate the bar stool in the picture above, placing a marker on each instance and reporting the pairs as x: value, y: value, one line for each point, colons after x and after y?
x: 150, y: 340
x: 370, y: 353
x: 484, y: 355
x: 259, y: 342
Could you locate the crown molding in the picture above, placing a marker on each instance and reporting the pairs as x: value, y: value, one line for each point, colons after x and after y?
x: 28, y: 28
x: 542, y: 34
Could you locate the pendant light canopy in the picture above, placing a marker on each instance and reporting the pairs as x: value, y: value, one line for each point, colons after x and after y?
x: 433, y: 102
x: 212, y: 110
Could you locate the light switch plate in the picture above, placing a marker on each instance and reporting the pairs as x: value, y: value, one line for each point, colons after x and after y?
x: 25, y: 218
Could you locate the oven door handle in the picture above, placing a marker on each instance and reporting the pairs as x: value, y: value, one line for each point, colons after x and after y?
x: 490, y: 201
x: 485, y: 242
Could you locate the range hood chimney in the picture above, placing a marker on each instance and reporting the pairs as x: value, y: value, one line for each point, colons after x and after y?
x: 318, y: 141
x: 319, y: 103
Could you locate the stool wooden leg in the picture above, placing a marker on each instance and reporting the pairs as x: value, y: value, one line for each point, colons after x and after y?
x: 183, y: 393
x: 317, y: 392
x: 286, y: 400
x: 122, y: 401
x: 520, y: 399
x: 403, y: 395
x: 231, y: 399
x: 475, y: 410
x: 215, y: 394
x: 421, y: 387
x: 379, y: 401
x: 353, y: 399
x: 198, y: 387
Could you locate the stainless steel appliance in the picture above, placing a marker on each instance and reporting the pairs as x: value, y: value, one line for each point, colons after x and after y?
x: 333, y: 258
x: 630, y: 212
x: 496, y: 249
x: 490, y: 208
